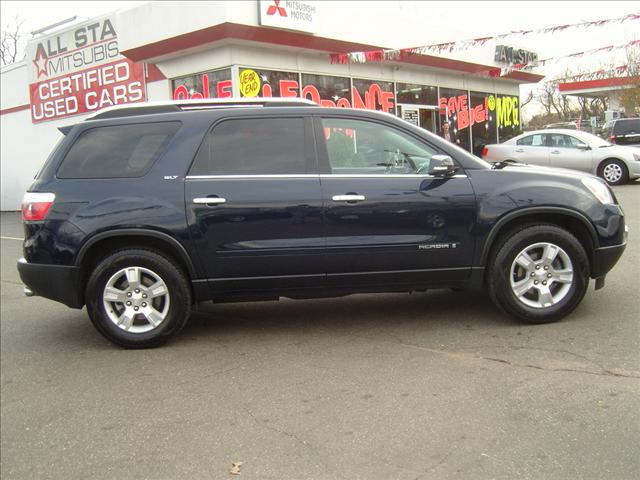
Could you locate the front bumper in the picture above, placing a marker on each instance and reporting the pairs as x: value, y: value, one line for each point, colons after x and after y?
x: 605, y: 258
x: 634, y: 169
x: 56, y: 282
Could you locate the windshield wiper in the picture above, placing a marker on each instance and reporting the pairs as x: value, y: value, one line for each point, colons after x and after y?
x: 503, y: 163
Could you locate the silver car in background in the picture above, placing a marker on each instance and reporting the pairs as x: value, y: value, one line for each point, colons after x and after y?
x: 571, y: 149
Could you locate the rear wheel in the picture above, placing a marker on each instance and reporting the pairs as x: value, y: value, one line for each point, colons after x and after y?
x: 137, y: 298
x: 614, y: 172
x: 539, y: 274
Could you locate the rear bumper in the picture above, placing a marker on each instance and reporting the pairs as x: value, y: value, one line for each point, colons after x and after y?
x: 56, y: 282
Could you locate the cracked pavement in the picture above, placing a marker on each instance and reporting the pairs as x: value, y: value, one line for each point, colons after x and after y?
x: 434, y: 385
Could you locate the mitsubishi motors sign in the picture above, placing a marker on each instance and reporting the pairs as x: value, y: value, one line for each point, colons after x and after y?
x: 80, y: 70
x: 292, y: 15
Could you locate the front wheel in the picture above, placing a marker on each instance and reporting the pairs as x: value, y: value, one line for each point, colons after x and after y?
x: 539, y: 274
x: 614, y: 172
x: 137, y: 298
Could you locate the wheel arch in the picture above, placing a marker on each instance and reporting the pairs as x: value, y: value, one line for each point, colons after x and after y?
x: 601, y: 162
x: 99, y: 245
x: 574, y: 222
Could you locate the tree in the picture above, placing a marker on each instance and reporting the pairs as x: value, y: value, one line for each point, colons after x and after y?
x: 12, y: 38
x: 630, y: 96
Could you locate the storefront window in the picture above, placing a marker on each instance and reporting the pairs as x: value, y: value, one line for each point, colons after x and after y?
x: 508, y: 117
x: 253, y: 82
x: 483, y: 121
x: 373, y: 95
x: 326, y: 90
x: 216, y: 84
x: 454, y: 109
x: 416, y: 94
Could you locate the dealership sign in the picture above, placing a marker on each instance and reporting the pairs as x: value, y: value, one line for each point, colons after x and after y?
x: 80, y: 70
x: 292, y: 15
x: 515, y: 56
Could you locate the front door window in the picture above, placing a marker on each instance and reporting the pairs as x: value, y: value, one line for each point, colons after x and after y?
x: 357, y: 147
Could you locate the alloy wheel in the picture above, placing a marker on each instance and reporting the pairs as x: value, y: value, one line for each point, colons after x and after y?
x: 136, y: 299
x: 541, y: 275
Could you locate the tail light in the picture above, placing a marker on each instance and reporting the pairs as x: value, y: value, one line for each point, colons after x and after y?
x: 36, y: 205
x: 612, y: 138
x: 485, y: 151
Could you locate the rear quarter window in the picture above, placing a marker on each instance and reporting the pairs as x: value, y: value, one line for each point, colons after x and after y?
x: 623, y: 127
x: 117, y: 151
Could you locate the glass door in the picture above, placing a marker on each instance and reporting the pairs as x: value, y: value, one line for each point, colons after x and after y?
x: 421, y: 115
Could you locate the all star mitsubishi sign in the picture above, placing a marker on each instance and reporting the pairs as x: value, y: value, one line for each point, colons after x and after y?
x: 292, y: 15
x: 80, y: 70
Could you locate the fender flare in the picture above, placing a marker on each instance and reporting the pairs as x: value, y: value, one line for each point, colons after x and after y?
x: 139, y: 232
x: 533, y: 211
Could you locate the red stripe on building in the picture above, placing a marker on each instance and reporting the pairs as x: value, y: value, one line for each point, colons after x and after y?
x: 19, y: 108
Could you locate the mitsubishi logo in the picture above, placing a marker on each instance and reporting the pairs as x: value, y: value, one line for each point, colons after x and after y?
x: 277, y: 8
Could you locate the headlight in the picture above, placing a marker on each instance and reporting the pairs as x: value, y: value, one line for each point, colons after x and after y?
x: 599, y: 190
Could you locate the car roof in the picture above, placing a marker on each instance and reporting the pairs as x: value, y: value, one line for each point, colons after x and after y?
x: 567, y: 131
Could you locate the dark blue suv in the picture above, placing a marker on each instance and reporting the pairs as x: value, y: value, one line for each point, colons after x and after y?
x: 143, y: 211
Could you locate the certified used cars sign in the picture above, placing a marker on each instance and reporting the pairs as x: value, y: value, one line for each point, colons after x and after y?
x: 80, y: 70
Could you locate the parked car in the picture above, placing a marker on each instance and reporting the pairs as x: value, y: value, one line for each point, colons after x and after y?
x: 622, y: 131
x: 570, y: 149
x: 143, y: 211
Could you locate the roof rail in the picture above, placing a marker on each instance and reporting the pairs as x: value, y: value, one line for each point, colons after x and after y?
x: 148, y: 108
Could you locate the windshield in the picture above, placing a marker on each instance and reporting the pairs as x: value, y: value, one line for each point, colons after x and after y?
x: 593, y: 140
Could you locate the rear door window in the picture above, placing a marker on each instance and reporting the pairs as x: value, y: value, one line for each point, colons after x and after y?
x: 537, y: 140
x: 254, y: 146
x: 118, y: 151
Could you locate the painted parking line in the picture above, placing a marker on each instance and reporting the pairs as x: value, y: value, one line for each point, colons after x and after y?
x: 11, y: 238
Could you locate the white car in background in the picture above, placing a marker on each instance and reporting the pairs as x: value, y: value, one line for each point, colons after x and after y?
x: 571, y: 149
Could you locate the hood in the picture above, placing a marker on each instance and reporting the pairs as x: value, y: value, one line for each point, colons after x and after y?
x: 555, y: 171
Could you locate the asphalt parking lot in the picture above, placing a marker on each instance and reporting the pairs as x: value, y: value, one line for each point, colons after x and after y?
x: 436, y: 385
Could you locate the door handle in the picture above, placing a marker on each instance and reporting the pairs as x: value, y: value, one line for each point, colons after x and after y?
x: 348, y: 198
x: 520, y: 150
x: 209, y: 200
x: 555, y: 151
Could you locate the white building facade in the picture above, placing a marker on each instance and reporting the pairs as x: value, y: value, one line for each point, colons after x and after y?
x: 176, y: 50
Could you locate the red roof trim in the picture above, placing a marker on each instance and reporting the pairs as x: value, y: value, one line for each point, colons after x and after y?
x: 242, y: 32
x: 449, y: 64
x: 599, y: 83
x: 154, y: 74
x: 298, y: 40
x: 19, y: 108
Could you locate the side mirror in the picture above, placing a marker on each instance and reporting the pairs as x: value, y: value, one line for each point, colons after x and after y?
x: 441, y: 166
x: 583, y: 146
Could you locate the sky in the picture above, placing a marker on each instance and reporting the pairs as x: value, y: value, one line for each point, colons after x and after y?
x: 463, y: 19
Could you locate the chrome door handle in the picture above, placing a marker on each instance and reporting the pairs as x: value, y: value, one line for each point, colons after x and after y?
x: 209, y: 200
x: 348, y: 198
x: 519, y: 150
x: 555, y: 151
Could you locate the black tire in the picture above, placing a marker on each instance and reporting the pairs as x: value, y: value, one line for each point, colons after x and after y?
x: 617, y: 166
x: 500, y: 274
x: 179, y: 298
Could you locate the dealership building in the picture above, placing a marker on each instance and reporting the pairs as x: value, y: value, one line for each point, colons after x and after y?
x: 192, y: 50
